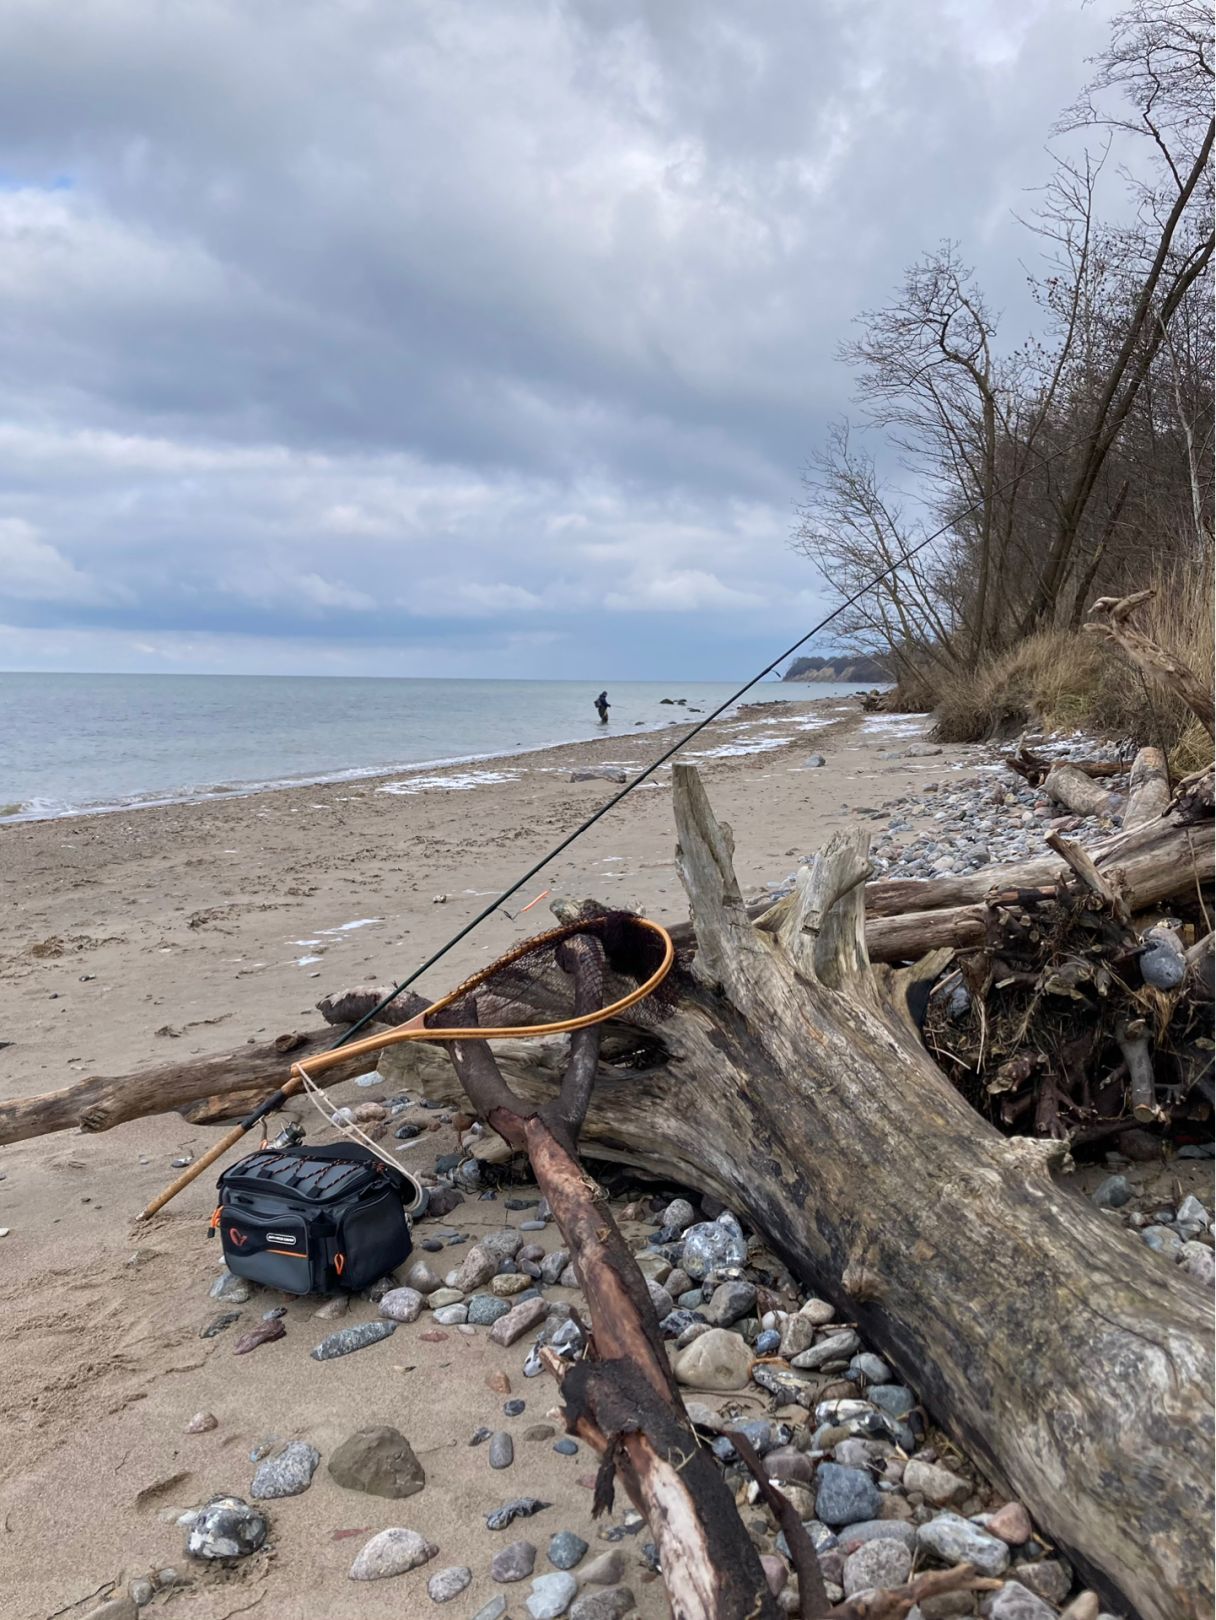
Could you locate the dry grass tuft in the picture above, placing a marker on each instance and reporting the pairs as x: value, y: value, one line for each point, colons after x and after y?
x: 1059, y: 679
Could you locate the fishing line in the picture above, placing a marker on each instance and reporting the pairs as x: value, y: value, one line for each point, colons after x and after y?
x: 714, y: 714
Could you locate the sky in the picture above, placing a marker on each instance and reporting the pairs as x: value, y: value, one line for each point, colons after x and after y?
x: 454, y: 339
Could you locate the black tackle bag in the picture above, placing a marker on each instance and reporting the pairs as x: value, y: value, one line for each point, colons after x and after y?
x: 309, y: 1220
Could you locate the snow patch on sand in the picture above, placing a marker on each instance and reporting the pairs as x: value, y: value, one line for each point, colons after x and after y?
x: 452, y: 784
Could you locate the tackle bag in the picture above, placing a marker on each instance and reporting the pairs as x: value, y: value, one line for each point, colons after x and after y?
x: 309, y: 1220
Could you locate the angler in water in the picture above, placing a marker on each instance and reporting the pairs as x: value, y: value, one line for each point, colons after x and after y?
x: 602, y: 706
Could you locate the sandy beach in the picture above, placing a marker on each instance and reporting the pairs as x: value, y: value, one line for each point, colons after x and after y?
x: 131, y: 937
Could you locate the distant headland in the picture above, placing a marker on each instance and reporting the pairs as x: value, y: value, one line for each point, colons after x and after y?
x: 844, y: 667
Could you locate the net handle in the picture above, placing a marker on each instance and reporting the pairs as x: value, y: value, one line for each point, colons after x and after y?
x: 417, y: 1029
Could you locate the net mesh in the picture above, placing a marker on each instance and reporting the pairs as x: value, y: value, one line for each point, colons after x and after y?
x: 535, y: 983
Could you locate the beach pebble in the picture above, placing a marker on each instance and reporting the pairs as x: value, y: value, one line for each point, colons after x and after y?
x: 232, y: 1290
x: 715, y: 1360
x: 679, y: 1213
x: 853, y: 1535
x: 476, y: 1269
x: 1112, y: 1193
x: 776, y: 1572
x: 266, y: 1332
x: 493, y: 1610
x: 485, y: 1310
x: 502, y: 1450
x: 552, y: 1266
x: 1199, y: 1261
x: 1049, y: 1578
x: 540, y: 1431
x: 1192, y: 1213
x: 873, y: 1369
x: 817, y: 1311
x: 522, y: 1507
x: 401, y: 1305
x: 1016, y: 1602
x: 518, y: 1320
x: 446, y: 1584
x: 514, y: 1562
x: 955, y: 1540
x: 729, y: 1302
x: 452, y: 1315
x: 937, y: 1485
x: 1163, y: 960
x: 421, y: 1277
x: 846, y: 1495
x: 787, y: 1465
x: 356, y: 1337
x: 604, y: 1570
x: 226, y: 1527
x: 201, y: 1422
x: 711, y: 1245
x: 767, y: 1343
x: 551, y: 1595
x: 797, y: 1334
x: 1163, y: 1239
x: 836, y: 1347
x: 566, y: 1549
x: 893, y: 1399
x: 379, y: 1461
x: 1011, y: 1523
x: 334, y: 1308
x: 508, y: 1283
x: 610, y: 1604
x: 287, y: 1474
x: 392, y: 1552
x: 566, y: 1448
x: 876, y: 1564
x: 513, y: 1408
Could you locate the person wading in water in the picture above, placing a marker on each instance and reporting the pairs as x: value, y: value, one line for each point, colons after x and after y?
x: 602, y: 706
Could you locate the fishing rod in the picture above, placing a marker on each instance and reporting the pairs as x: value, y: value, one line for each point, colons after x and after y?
x: 296, y: 1082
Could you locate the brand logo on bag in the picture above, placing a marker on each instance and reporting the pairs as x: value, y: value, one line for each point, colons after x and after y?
x: 280, y: 1237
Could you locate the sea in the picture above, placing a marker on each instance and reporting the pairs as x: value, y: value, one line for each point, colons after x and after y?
x: 76, y: 744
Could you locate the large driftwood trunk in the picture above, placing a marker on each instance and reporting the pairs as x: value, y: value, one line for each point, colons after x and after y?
x: 1071, y: 1362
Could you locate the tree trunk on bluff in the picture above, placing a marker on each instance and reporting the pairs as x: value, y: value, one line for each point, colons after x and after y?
x: 789, y: 1081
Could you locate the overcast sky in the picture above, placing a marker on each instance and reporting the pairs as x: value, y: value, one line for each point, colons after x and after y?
x: 470, y: 337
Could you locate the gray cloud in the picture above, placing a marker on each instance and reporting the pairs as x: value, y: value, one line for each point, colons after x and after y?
x: 383, y: 335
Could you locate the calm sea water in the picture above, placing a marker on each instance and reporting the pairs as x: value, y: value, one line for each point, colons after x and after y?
x: 101, y: 742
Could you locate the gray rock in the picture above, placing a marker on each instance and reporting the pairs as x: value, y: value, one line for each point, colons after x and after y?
x: 513, y: 1563
x: 1049, y: 1578
x: 1015, y: 1602
x: 552, y: 1266
x: 1192, y: 1213
x: 711, y: 1245
x: 518, y: 1320
x: 379, y: 1461
x: 1112, y: 1193
x: 486, y: 1309
x: 551, y: 1595
x: 876, y: 1564
x: 797, y: 1335
x: 815, y: 761
x: 141, y: 1591
x: 422, y: 1278
x: 870, y: 1367
x: 226, y: 1527
x: 660, y: 1299
x: 785, y: 1463
x: 287, y: 1474
x: 446, y: 1584
x: 1162, y: 1239
x: 1199, y: 1261
x: 878, y: 1530
x: 936, y: 1485
x: 232, y: 1290
x: 566, y: 1549
x: 402, y: 1305
x: 493, y: 1610
x: 729, y: 1302
x: 787, y: 1387
x: 476, y: 1269
x: 502, y: 1450
x: 955, y: 1540
x: 604, y: 1570
x: 678, y: 1213
x: 893, y: 1399
x: 392, y: 1552
x: 817, y: 1311
x: 356, y: 1337
x: 715, y: 1360
x: 611, y: 1604
x: 452, y: 1315
x: 218, y: 1323
x: 836, y: 1347
x: 1163, y: 960
x: 846, y: 1495
x: 597, y: 773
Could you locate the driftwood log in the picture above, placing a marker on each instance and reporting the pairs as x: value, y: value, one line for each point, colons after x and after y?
x: 1148, y: 790
x: 791, y: 1083
x: 1079, y: 793
x: 904, y: 918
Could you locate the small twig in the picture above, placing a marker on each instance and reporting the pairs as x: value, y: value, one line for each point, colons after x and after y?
x: 893, y: 1602
x: 812, y: 1594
